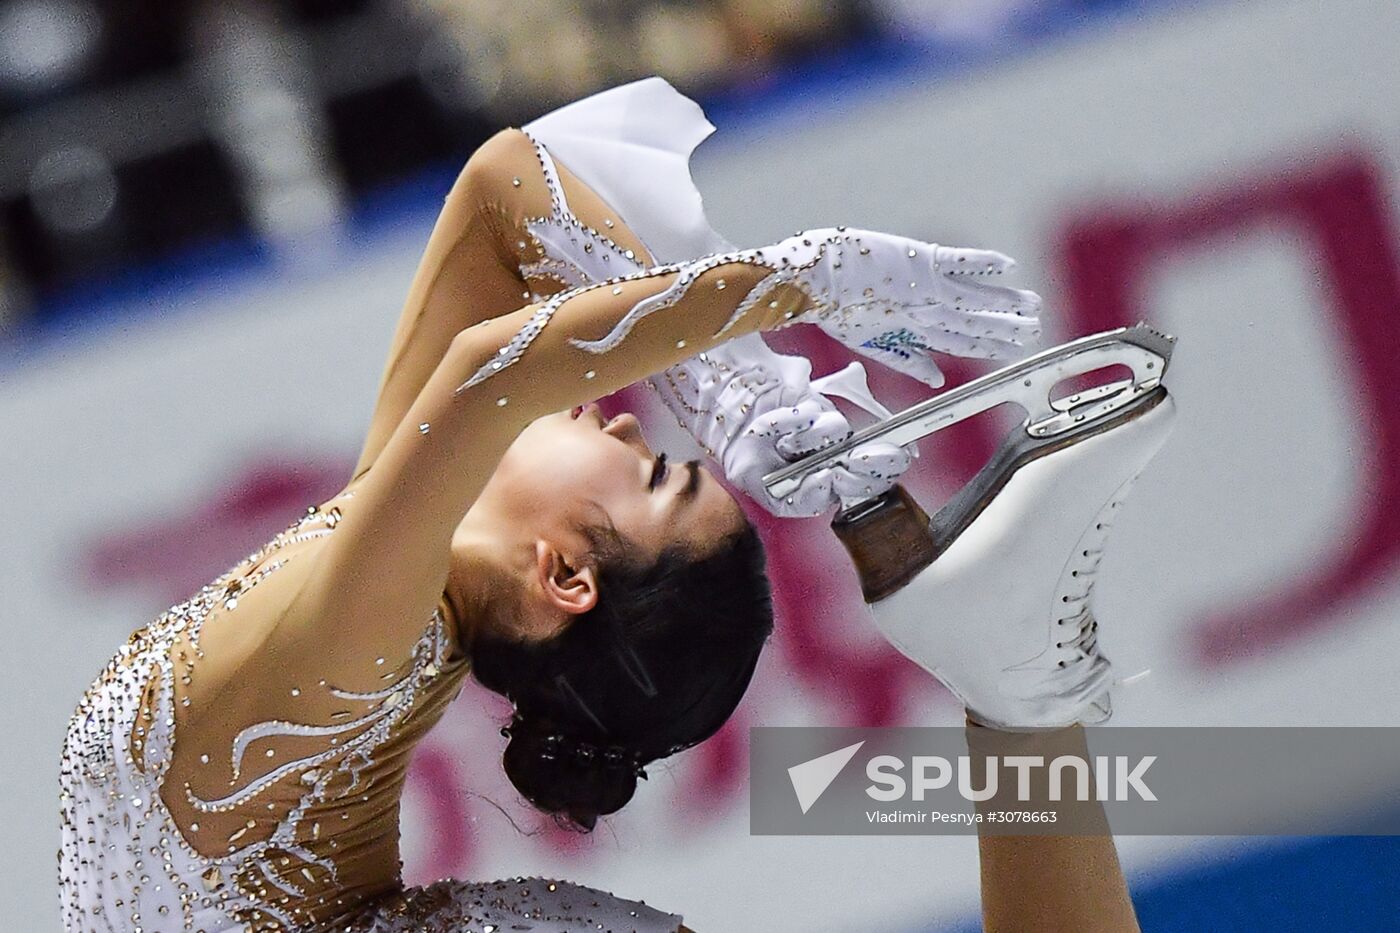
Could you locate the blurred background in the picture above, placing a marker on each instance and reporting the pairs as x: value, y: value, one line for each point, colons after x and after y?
x: 210, y: 212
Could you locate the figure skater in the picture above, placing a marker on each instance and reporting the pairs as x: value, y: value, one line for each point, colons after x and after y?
x: 240, y: 761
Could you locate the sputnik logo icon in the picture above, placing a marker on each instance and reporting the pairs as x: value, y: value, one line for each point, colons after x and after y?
x: 810, y: 779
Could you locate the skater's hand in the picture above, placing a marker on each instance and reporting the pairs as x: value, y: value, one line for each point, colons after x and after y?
x: 755, y: 411
x: 894, y: 299
x: 789, y: 433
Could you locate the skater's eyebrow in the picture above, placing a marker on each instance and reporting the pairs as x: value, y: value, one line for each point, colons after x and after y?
x: 692, y: 482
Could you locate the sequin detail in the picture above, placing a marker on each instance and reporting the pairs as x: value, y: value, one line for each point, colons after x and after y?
x: 686, y: 275
x: 537, y: 905
x: 573, y: 253
x: 581, y: 257
x: 898, y: 342
x: 509, y: 354
x: 124, y: 862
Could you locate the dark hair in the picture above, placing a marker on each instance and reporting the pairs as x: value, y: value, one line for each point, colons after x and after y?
x: 656, y: 666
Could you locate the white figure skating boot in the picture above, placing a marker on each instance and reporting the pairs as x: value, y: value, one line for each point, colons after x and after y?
x: 992, y: 596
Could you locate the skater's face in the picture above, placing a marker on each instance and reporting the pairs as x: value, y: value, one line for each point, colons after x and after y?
x: 577, y: 469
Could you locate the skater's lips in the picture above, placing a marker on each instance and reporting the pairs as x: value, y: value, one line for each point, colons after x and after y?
x: 589, y: 410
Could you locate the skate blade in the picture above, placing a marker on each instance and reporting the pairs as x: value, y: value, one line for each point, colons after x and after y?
x: 1144, y: 351
x: 891, y: 539
x: 1015, y: 452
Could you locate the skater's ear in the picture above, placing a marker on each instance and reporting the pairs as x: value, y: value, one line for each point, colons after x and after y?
x: 567, y: 583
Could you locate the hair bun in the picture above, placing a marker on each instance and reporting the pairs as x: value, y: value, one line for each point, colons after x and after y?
x: 571, y: 777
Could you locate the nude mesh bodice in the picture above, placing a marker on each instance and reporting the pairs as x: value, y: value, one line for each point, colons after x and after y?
x: 310, y: 835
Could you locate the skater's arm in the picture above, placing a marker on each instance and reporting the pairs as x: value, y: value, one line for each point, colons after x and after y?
x: 1049, y: 883
x: 384, y: 570
x: 474, y: 266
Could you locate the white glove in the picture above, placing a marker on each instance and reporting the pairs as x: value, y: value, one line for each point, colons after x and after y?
x: 755, y: 411
x: 894, y: 299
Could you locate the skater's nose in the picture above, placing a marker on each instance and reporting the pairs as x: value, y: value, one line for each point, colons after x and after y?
x: 626, y: 428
